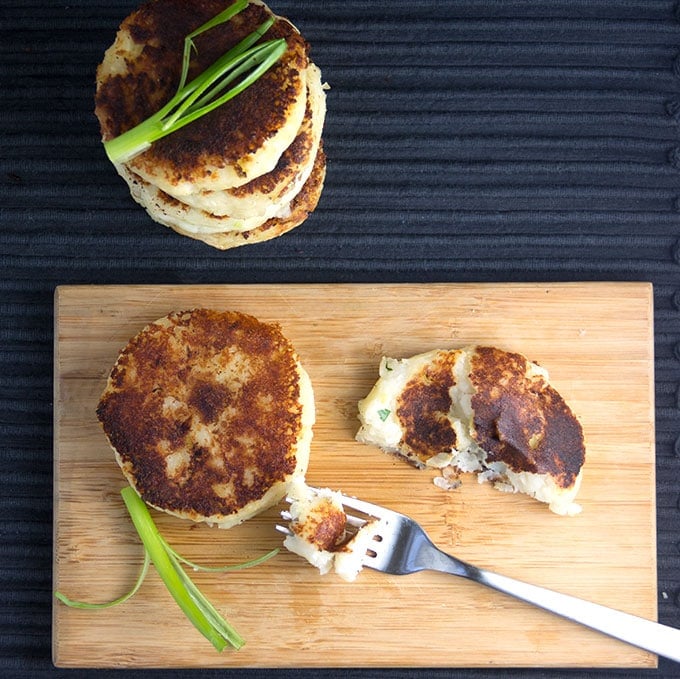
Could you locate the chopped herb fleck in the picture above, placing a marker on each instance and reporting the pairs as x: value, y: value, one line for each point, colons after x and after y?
x: 384, y: 413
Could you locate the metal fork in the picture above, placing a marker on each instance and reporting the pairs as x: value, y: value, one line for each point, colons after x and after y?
x: 401, y: 547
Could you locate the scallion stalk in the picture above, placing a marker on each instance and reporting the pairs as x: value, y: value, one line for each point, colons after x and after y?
x: 189, y: 598
x: 204, y: 616
x: 204, y: 93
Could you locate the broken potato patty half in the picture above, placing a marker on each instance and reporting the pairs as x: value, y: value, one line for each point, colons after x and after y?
x: 209, y: 414
x: 478, y: 409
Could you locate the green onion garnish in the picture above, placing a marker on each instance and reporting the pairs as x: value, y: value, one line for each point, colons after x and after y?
x: 189, y: 45
x: 189, y: 598
x: 202, y: 614
x: 204, y: 93
x: 383, y: 414
x: 122, y: 599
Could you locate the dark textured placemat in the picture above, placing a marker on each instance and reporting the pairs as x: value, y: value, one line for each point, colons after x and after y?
x: 470, y: 140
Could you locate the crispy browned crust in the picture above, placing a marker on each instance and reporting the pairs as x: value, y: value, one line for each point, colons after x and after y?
x: 219, y: 138
x: 423, y: 407
x: 324, y: 526
x: 296, y: 156
x: 301, y: 207
x: 522, y: 420
x: 221, y: 387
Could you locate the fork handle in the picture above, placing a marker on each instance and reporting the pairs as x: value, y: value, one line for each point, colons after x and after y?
x: 645, y: 634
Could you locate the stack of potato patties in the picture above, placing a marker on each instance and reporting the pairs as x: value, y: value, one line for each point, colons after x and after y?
x: 246, y: 172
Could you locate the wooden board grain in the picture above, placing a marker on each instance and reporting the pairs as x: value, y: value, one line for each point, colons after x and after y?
x: 596, y: 340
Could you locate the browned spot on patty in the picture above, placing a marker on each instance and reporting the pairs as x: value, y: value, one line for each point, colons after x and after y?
x: 521, y: 420
x: 324, y: 527
x: 423, y: 407
x: 288, y: 166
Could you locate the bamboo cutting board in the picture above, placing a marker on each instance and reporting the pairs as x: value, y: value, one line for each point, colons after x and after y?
x: 595, y: 339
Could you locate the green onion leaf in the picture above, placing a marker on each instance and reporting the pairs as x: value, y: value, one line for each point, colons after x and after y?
x: 247, y: 60
x: 383, y: 414
x: 83, y: 604
x: 199, y: 92
x: 220, y: 569
x: 221, y: 18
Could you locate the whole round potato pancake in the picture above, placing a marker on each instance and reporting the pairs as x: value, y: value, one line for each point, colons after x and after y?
x: 227, y: 147
x: 209, y: 414
x: 478, y: 409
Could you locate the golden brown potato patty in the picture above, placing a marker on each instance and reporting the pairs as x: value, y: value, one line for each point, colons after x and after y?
x: 150, y: 45
x: 209, y: 414
x: 478, y: 409
x: 249, y: 170
x: 423, y: 408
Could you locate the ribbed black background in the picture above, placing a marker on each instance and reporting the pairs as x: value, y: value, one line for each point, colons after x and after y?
x: 467, y: 140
